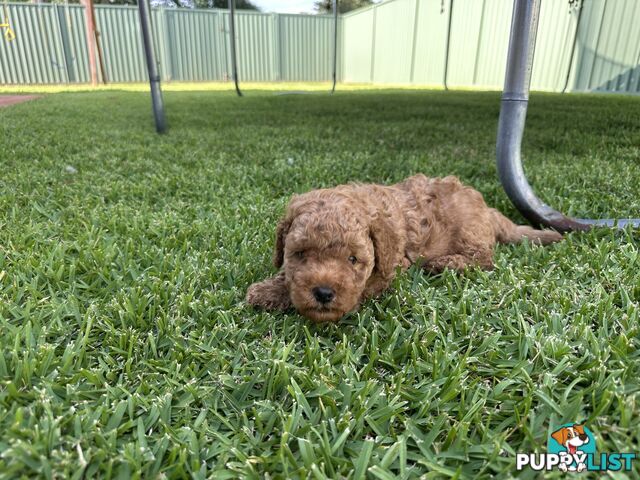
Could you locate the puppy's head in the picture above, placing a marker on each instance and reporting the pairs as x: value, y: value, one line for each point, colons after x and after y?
x: 326, y: 248
x: 571, y: 437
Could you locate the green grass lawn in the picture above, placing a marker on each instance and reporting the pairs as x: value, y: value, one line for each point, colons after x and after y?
x: 126, y: 348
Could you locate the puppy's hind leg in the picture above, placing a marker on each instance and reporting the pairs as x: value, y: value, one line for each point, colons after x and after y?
x: 508, y: 232
x: 469, y: 244
x: 482, y: 258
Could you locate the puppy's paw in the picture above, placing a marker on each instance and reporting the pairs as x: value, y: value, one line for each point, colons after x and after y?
x: 270, y: 294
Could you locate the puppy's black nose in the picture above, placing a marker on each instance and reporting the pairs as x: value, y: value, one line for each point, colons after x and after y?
x: 584, y: 437
x: 323, y: 294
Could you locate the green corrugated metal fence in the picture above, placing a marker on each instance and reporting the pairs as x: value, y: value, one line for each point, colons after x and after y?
x: 396, y: 41
x: 608, y: 53
x: 50, y: 46
x: 405, y: 42
x: 192, y: 45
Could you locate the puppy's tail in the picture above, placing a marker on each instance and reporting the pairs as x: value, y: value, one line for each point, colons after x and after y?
x: 508, y: 232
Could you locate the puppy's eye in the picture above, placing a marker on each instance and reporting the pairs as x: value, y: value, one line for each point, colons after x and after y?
x: 353, y: 259
x: 299, y: 255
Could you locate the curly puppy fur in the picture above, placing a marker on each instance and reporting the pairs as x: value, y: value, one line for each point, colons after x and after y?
x: 340, y: 246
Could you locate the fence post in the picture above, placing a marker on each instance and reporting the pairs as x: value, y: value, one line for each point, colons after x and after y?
x: 479, y: 43
x: 221, y: 46
x: 166, y: 72
x: 446, y: 50
x: 415, y: 38
x: 343, y: 49
x: 595, y: 49
x: 276, y: 65
x: 335, y: 44
x: 65, y: 43
x: 91, y: 45
x: 573, y: 47
x: 373, y: 42
x: 96, y: 36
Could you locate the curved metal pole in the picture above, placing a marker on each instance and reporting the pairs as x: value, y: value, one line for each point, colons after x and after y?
x: 152, y: 67
x: 513, y: 111
x: 232, y: 34
x: 335, y: 44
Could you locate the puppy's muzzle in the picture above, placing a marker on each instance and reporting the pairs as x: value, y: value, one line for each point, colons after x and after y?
x: 323, y: 295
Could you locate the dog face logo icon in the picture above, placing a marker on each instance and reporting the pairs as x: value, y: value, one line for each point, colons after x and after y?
x: 576, y: 442
x: 572, y: 448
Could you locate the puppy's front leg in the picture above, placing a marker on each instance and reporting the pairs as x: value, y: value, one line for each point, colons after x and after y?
x: 270, y: 294
x: 375, y: 286
x: 459, y: 262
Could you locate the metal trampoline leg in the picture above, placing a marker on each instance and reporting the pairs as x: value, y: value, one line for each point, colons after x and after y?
x: 152, y: 66
x: 513, y: 111
x: 232, y: 43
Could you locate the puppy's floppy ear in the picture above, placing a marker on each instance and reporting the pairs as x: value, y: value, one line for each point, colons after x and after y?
x: 560, y: 436
x: 283, y: 228
x: 387, y: 243
x: 281, y: 234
